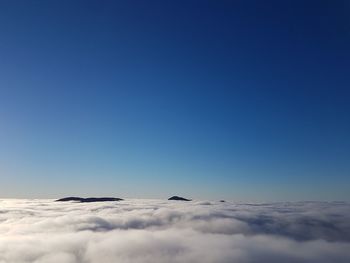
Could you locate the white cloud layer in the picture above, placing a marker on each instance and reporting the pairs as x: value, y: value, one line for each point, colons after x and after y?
x: 154, y: 231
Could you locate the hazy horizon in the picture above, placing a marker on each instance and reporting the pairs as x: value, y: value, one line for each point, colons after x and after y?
x: 164, y: 198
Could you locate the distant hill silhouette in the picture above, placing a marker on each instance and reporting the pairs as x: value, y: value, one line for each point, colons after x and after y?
x: 89, y: 200
x: 178, y: 198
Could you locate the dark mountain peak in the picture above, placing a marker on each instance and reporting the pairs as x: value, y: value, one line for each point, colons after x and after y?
x: 89, y: 199
x: 67, y: 199
x: 179, y: 198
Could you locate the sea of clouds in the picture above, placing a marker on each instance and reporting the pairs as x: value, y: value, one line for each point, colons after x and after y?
x: 154, y: 231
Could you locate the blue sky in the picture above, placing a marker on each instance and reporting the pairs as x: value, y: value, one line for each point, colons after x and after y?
x: 240, y: 100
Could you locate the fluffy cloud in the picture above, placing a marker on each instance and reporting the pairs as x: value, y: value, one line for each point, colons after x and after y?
x: 135, y: 231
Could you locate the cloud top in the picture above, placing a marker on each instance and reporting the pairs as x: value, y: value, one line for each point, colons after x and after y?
x: 135, y: 231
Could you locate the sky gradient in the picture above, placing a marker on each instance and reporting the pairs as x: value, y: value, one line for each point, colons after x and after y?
x: 239, y: 100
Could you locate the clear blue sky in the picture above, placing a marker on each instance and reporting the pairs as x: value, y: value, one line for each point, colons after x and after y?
x: 242, y: 100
